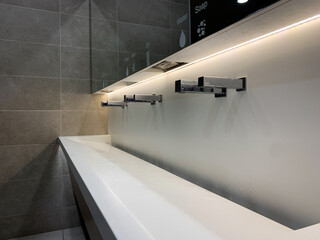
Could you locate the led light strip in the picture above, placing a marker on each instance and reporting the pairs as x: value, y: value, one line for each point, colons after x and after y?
x: 224, y: 51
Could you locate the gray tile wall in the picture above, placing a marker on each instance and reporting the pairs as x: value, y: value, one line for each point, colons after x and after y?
x: 45, y: 86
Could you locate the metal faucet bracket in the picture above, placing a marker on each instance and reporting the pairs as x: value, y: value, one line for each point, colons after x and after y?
x: 230, y: 83
x: 114, y: 104
x: 191, y: 86
x: 148, y: 98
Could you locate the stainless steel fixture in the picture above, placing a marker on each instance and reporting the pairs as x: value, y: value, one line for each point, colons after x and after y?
x: 230, y: 83
x: 149, y: 98
x: 191, y: 86
x: 113, y: 104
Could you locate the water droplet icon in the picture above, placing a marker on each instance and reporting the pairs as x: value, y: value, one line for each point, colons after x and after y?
x: 183, y: 39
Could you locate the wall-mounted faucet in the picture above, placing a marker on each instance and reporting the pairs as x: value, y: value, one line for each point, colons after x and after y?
x: 148, y: 98
x: 114, y: 104
x: 190, y: 86
x: 230, y: 83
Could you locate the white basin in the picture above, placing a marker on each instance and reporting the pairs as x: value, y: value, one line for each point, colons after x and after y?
x: 141, y: 201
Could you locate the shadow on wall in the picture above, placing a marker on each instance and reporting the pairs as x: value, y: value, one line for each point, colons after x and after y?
x: 35, y: 191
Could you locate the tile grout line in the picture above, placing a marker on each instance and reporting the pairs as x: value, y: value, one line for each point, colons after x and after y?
x: 118, y: 52
x: 60, y: 104
x: 54, y: 12
x: 57, y: 78
x: 60, y: 75
x: 55, y: 110
x: 54, y: 45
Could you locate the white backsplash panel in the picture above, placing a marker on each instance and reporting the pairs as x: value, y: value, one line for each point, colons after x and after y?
x: 259, y: 148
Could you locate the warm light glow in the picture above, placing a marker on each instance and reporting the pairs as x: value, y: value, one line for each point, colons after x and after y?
x: 225, y: 50
x: 242, y: 1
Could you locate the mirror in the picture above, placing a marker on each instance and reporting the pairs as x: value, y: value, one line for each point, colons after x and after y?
x: 147, y: 31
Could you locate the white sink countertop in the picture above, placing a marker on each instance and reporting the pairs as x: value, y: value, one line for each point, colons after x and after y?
x: 141, y: 201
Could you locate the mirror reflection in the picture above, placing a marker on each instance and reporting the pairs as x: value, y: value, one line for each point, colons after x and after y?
x: 143, y: 32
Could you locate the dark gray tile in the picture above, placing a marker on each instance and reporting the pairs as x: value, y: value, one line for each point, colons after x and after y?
x: 68, y: 196
x: 50, y: 5
x: 56, y: 235
x: 70, y: 217
x: 30, y: 196
x: 24, y: 225
x: 78, y: 7
x: 180, y: 16
x: 76, y: 95
x: 181, y: 1
x: 104, y: 9
x: 147, y: 12
x: 135, y: 38
x: 53, y: 163
x: 29, y: 93
x: 75, y: 63
x: 104, y: 65
x: 75, y: 233
x: 17, y: 58
x: 29, y: 127
x: 104, y: 34
x: 29, y: 161
x: 65, y: 168
x: 31, y: 25
x: 179, y: 40
x: 84, y: 123
x: 75, y: 31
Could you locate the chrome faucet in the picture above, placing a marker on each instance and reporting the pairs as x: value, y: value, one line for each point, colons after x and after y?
x: 191, y: 86
x: 230, y: 83
x: 113, y: 104
x: 148, y: 98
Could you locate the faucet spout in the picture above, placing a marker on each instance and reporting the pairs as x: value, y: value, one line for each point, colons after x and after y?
x: 113, y: 104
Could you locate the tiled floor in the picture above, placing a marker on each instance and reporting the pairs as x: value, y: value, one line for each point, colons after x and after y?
x: 75, y: 233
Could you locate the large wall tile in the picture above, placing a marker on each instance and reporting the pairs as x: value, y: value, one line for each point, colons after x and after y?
x: 84, y: 122
x: 77, y: 7
x: 29, y: 162
x: 16, y: 226
x: 55, y: 235
x: 31, y: 25
x: 75, y: 63
x: 104, y: 9
x: 104, y: 65
x: 158, y: 38
x: 104, y: 34
x: 70, y: 217
x: 29, y: 127
x: 75, y: 31
x: 26, y: 59
x: 68, y: 196
x: 65, y: 167
x: 76, y: 95
x: 181, y: 1
x: 29, y: 93
x: 143, y: 12
x: 37, y: 194
x: 51, y: 5
x: 180, y: 16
